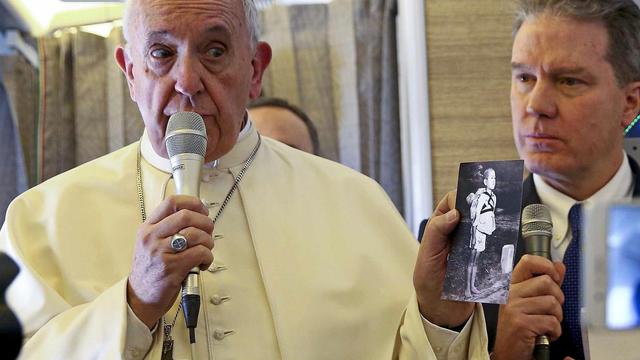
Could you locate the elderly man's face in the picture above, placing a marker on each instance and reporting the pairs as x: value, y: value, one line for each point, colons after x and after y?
x: 568, y: 111
x: 192, y: 55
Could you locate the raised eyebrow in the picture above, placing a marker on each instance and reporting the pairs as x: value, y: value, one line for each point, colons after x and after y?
x: 565, y: 70
x: 156, y: 36
x: 520, y: 66
x: 569, y: 71
x: 219, y: 29
x: 163, y: 35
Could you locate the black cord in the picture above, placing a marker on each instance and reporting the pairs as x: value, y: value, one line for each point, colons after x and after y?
x: 191, y: 304
x: 191, y: 308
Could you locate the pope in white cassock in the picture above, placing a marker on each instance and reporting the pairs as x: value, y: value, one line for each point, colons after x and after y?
x: 311, y: 260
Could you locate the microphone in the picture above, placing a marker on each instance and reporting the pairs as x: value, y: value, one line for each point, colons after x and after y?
x: 186, y: 142
x: 536, y: 233
x: 10, y: 328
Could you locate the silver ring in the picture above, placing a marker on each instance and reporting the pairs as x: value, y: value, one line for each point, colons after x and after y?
x: 178, y: 243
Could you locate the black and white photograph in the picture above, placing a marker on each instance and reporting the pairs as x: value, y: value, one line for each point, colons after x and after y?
x: 489, y: 199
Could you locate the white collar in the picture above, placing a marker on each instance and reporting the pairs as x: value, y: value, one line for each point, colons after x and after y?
x: 247, y: 140
x: 619, y: 188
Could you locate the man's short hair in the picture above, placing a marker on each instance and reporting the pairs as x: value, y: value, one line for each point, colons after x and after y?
x: 621, y: 18
x: 250, y: 13
x: 284, y: 104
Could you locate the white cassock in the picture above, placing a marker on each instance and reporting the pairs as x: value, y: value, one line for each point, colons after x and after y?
x: 314, y: 262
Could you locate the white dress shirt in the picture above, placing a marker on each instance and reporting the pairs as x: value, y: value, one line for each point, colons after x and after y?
x: 619, y: 188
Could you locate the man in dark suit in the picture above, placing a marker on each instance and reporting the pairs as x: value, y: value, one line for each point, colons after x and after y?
x: 575, y: 88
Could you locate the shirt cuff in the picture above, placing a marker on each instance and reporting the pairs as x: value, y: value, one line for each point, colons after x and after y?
x: 139, y: 337
x: 446, y: 343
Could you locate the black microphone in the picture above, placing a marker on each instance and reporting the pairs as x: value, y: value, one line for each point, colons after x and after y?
x: 536, y: 233
x: 10, y: 328
x: 186, y: 142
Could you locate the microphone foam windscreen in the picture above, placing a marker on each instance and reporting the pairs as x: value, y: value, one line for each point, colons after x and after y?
x: 186, y: 133
x: 536, y: 219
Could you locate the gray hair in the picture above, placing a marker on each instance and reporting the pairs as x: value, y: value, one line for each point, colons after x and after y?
x: 621, y: 19
x: 250, y: 14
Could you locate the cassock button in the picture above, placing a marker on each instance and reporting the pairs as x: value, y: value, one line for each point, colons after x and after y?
x: 134, y: 353
x: 209, y: 204
x: 220, y: 334
x: 217, y: 299
x: 216, y: 268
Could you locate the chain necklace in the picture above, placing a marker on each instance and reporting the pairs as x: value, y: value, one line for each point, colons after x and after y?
x: 167, y: 344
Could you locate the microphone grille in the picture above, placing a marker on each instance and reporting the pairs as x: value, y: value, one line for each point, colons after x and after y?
x: 186, y: 133
x: 536, y: 219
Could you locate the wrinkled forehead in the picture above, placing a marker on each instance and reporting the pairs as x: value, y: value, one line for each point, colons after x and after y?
x: 182, y: 18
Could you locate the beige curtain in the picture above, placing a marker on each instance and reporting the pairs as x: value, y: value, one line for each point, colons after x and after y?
x: 73, y: 109
x: 18, y: 117
x: 20, y: 80
x: 13, y: 178
x: 338, y: 63
x: 85, y: 109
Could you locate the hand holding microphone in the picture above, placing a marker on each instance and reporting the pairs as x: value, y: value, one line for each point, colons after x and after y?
x: 533, y: 313
x: 160, y: 268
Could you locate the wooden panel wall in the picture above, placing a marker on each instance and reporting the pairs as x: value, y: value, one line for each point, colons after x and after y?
x: 469, y: 52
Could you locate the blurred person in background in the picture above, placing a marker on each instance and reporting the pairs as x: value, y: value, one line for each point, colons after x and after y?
x: 285, y: 122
